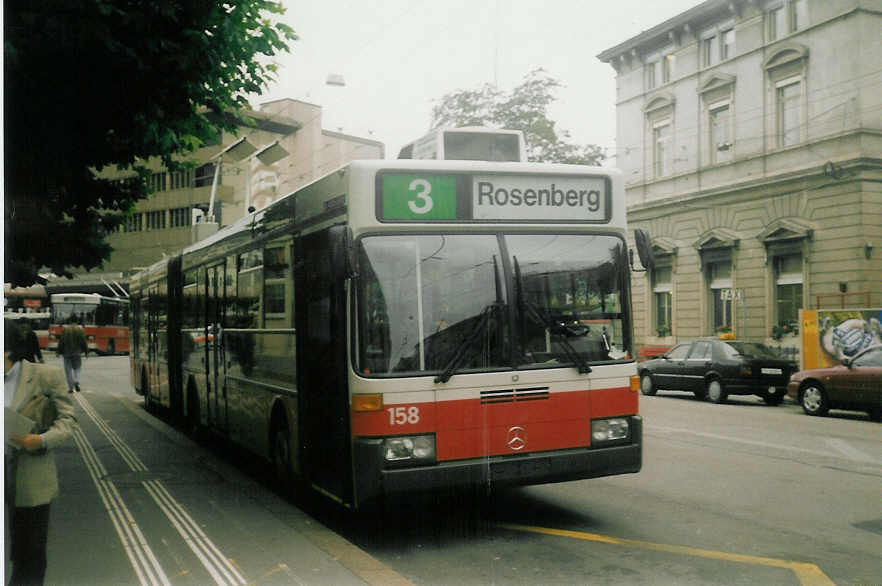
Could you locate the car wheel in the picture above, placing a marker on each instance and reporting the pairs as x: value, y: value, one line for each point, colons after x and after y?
x: 647, y: 387
x: 814, y: 400
x: 875, y: 414
x: 715, y: 391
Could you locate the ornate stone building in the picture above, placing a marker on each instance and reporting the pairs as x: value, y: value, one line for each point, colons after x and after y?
x: 750, y: 136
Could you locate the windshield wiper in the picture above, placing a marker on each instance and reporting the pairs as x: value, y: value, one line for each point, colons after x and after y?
x: 570, y: 352
x: 486, y: 314
x: 461, y: 352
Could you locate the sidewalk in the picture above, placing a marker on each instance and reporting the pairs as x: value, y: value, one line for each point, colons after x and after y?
x: 84, y: 549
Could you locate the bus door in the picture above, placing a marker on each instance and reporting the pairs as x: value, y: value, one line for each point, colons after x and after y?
x: 214, y: 318
x: 321, y: 369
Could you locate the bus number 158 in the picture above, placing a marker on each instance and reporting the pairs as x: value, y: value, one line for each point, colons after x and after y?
x: 402, y: 415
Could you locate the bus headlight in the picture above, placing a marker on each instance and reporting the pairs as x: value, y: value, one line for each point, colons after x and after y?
x: 615, y: 429
x: 407, y: 450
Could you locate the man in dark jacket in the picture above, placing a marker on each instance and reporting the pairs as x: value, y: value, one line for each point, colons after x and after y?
x: 71, y: 346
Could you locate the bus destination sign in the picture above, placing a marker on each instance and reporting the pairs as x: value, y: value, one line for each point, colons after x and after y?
x: 428, y: 197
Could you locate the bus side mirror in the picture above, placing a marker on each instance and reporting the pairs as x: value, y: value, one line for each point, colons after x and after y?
x: 342, y: 253
x: 644, y: 250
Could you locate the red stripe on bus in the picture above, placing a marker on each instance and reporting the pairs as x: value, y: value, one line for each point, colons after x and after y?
x: 468, y: 428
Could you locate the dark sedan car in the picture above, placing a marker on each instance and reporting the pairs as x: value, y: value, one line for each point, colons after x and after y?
x: 715, y: 368
x: 854, y: 385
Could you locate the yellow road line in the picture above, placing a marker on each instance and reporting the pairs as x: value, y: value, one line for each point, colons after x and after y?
x: 808, y: 574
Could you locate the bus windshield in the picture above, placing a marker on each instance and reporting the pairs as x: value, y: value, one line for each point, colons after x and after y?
x: 82, y: 313
x: 433, y: 303
x: 104, y: 313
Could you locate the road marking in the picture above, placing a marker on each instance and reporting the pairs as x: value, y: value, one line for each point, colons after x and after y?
x: 144, y: 562
x: 844, y: 449
x: 808, y: 574
x: 220, y: 568
x: 851, y: 452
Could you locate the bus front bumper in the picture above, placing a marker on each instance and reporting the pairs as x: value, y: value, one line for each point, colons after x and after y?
x: 374, y: 480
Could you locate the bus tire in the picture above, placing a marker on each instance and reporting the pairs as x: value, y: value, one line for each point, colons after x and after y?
x: 280, y: 436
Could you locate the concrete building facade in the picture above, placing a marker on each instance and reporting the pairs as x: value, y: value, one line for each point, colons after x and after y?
x: 162, y: 223
x: 750, y: 136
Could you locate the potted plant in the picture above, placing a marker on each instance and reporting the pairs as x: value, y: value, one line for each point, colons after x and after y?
x: 781, y: 330
x: 724, y: 332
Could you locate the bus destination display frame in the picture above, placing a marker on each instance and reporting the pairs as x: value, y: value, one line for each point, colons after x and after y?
x: 435, y: 196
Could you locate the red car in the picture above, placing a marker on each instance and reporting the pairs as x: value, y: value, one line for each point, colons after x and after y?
x: 855, y: 385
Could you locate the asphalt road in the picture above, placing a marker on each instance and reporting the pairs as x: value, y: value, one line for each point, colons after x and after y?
x: 740, y: 493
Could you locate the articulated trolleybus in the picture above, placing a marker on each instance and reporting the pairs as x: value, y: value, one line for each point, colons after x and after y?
x: 407, y: 325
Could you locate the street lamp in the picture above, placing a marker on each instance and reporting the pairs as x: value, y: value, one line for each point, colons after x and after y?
x: 271, y: 153
x: 234, y: 152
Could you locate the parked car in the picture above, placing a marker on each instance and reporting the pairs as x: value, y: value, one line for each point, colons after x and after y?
x: 856, y: 384
x: 714, y: 369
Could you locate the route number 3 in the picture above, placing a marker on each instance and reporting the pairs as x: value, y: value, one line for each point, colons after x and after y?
x: 402, y: 415
x: 423, y: 189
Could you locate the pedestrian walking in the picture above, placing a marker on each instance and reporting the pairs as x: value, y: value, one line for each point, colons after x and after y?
x: 39, y: 418
x: 72, y: 346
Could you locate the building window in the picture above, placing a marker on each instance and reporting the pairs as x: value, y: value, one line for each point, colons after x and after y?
x: 156, y: 220
x: 156, y: 182
x: 181, y: 179
x: 709, y: 55
x: 667, y: 66
x: 798, y: 15
x: 133, y: 223
x: 727, y: 44
x: 661, y: 148
x: 662, y: 291
x: 777, y: 23
x: 788, y: 289
x: 179, y: 217
x: 204, y: 175
x: 660, y: 71
x: 789, y: 97
x: 785, y: 18
x: 720, y: 282
x: 720, y: 128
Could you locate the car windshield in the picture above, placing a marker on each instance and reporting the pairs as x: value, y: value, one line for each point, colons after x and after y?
x: 442, y: 303
x: 753, y: 349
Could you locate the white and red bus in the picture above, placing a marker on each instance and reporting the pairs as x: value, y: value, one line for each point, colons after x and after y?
x: 407, y: 325
x: 104, y: 319
x: 31, y: 304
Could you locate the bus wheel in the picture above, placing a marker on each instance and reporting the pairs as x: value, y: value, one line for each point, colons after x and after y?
x: 281, y: 456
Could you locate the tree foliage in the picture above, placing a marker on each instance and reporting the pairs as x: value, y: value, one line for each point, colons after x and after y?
x: 92, y: 84
x: 524, y: 108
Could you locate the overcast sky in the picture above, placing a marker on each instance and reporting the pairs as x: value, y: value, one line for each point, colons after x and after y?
x: 398, y: 57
